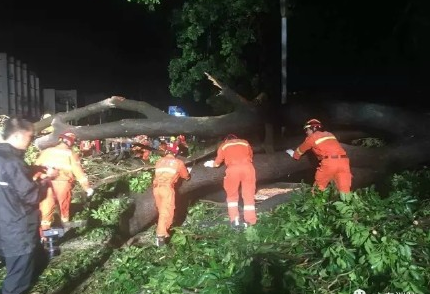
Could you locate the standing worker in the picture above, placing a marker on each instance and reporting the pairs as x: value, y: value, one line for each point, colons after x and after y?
x: 182, y: 146
x: 168, y: 170
x: 173, y: 145
x: 19, y: 207
x: 237, y: 155
x: 62, y: 158
x: 334, y: 163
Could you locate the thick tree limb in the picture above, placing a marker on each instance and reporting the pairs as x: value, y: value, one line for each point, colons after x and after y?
x: 395, y: 122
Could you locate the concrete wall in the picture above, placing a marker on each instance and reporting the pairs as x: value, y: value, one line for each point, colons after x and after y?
x: 19, y: 89
x: 65, y: 100
x: 48, y: 101
x: 20, y: 92
x: 55, y: 101
x: 4, y: 89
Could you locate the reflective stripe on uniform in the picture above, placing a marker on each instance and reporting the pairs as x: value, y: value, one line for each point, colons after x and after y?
x: 45, y: 223
x: 248, y: 207
x: 299, y: 151
x: 232, y: 204
x: 56, y: 165
x: 169, y: 170
x: 320, y: 140
x: 233, y: 144
x: 4, y: 184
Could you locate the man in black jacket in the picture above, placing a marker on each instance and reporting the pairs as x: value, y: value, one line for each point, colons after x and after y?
x: 19, y: 207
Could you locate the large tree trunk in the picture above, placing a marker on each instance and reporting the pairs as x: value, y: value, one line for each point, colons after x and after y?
x: 369, y: 166
x: 406, y: 135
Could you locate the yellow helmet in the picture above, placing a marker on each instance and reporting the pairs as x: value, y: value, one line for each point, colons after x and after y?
x: 172, y: 138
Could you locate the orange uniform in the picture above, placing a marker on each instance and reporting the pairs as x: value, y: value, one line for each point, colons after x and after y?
x: 168, y: 170
x: 237, y: 155
x: 334, y: 163
x: 144, y: 153
x: 68, y: 164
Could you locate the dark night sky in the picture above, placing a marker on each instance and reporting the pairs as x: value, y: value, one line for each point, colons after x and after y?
x: 115, y: 47
x: 90, y: 45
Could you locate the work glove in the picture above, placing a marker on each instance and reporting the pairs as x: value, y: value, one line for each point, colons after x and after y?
x: 52, y: 172
x: 189, y: 169
x: 90, y: 192
x: 290, y: 152
x: 209, y: 163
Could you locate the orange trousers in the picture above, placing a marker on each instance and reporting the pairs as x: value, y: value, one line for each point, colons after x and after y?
x: 146, y: 154
x: 165, y: 202
x: 241, y: 176
x: 61, y: 192
x: 336, y: 169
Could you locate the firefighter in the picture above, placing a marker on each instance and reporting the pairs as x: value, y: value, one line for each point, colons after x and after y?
x: 146, y: 152
x: 237, y: 155
x: 163, y: 145
x: 182, y: 146
x: 67, y: 162
x: 173, y: 145
x: 85, y: 147
x: 168, y: 170
x: 139, y: 150
x: 334, y: 163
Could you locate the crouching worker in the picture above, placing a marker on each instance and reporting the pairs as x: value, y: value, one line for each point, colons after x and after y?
x: 334, y: 162
x: 168, y: 170
x: 62, y: 158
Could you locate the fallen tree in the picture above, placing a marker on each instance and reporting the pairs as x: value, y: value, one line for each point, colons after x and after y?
x: 407, y: 142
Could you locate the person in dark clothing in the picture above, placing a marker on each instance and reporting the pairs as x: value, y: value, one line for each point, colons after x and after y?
x: 19, y: 206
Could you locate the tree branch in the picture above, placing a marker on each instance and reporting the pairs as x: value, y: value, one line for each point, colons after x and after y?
x: 229, y: 94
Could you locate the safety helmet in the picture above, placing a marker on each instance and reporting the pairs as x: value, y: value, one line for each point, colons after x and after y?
x: 68, y: 138
x: 169, y: 151
x: 230, y: 137
x: 172, y: 138
x: 313, y: 124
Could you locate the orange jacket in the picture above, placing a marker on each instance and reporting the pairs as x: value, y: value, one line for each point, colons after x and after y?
x: 66, y: 161
x: 232, y: 152
x: 168, y: 170
x: 322, y: 144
